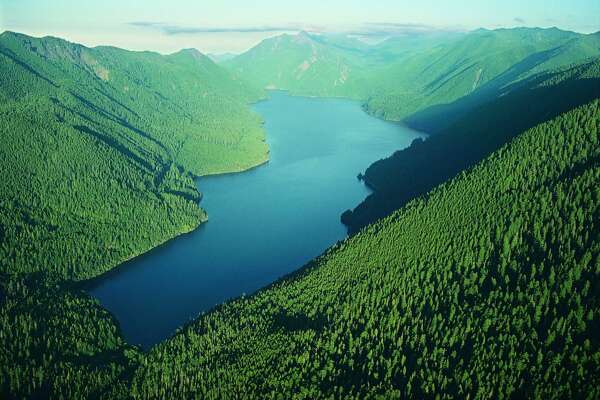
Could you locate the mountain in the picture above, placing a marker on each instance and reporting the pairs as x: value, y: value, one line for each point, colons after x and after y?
x: 481, y: 62
x: 414, y: 171
x: 396, y: 48
x: 304, y: 64
x: 487, y: 287
x: 506, y: 98
x: 483, y: 282
x: 97, y: 142
x: 580, y: 48
x: 221, y: 57
x: 406, y: 78
x: 99, y: 147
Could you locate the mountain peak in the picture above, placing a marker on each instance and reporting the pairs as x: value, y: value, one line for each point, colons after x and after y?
x: 303, y: 37
x: 192, y: 51
x: 17, y: 35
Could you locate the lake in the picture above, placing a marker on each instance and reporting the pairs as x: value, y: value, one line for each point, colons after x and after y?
x: 263, y: 223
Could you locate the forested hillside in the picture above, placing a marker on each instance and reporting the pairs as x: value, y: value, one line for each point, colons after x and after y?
x: 417, y: 169
x: 98, y: 150
x: 487, y: 288
x: 562, y: 52
x: 405, y: 78
x: 96, y: 145
x: 305, y: 64
x: 481, y: 63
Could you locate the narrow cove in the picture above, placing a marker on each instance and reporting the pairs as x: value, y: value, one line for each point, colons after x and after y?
x: 263, y: 223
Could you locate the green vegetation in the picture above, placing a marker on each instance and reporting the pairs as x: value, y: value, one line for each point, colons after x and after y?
x: 304, y: 64
x: 58, y: 342
x: 95, y: 153
x: 483, y: 286
x: 414, y: 171
x: 487, y: 288
x: 482, y: 63
x: 95, y: 148
x: 452, y: 85
x: 402, y: 79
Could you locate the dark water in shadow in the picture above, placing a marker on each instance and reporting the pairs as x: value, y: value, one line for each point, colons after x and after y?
x: 263, y: 223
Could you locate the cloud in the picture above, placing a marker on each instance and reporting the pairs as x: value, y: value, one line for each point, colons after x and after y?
x: 519, y: 20
x: 387, y: 29
x: 372, y: 30
x: 170, y: 29
x: 145, y: 24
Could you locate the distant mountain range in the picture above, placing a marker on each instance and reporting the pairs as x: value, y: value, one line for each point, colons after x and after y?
x: 405, y: 75
x: 430, y: 82
x: 302, y: 64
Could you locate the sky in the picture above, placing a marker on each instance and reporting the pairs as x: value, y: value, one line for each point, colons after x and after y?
x: 218, y: 26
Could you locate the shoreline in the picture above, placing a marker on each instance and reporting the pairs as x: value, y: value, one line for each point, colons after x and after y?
x: 85, y: 286
x: 89, y: 284
x: 232, y: 172
x: 361, y: 102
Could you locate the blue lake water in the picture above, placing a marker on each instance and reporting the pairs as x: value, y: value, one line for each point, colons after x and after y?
x: 263, y: 223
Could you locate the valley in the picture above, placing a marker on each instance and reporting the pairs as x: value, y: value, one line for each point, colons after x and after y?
x: 138, y: 260
x: 262, y: 224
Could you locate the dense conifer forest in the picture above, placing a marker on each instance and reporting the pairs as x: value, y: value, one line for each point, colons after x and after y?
x: 487, y: 287
x: 414, y: 171
x: 481, y: 280
x: 98, y: 151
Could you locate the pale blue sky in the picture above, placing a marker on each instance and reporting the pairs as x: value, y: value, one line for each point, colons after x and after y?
x: 235, y: 25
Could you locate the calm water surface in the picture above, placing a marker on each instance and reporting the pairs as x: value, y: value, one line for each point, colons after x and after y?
x: 263, y: 223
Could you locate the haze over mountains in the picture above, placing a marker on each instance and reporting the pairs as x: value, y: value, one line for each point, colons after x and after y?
x: 427, y: 81
x: 473, y: 269
x: 401, y: 76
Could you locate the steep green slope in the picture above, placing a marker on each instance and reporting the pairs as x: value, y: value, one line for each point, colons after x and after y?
x: 425, y: 164
x: 396, y: 48
x: 183, y: 101
x: 481, y: 62
x: 304, y: 64
x: 57, y: 342
x: 487, y: 288
x: 95, y: 149
x: 93, y: 146
x: 408, y: 78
